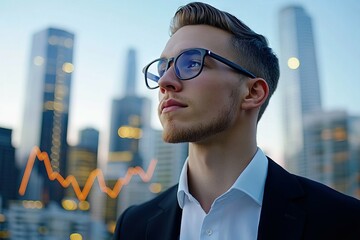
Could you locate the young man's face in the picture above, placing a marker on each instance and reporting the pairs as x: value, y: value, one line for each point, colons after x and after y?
x: 196, y: 110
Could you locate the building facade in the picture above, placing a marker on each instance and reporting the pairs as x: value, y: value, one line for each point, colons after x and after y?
x: 83, y: 166
x: 130, y: 115
x: 300, y: 80
x: 89, y: 139
x: 46, y: 114
x: 130, y: 118
x: 334, y: 150
x: 31, y: 221
x: 9, y: 182
x: 170, y: 160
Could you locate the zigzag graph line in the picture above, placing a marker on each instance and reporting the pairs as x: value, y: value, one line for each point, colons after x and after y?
x: 71, y: 180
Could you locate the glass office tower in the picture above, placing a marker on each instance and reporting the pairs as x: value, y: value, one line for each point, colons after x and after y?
x: 300, y: 81
x: 9, y: 172
x: 47, y: 110
x: 130, y: 115
x: 130, y: 118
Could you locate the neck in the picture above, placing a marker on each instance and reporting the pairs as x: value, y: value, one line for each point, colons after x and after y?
x: 216, y: 163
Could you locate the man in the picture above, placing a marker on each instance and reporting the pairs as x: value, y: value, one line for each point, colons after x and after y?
x: 215, y: 77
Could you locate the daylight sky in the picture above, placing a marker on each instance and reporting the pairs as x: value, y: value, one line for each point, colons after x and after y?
x: 105, y: 29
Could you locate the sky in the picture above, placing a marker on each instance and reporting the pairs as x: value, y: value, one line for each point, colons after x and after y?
x: 105, y: 30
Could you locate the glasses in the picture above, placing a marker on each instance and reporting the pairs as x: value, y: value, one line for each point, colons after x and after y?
x: 187, y: 65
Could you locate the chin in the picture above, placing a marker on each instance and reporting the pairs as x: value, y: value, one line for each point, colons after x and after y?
x: 171, y: 137
x: 181, y: 135
x: 172, y: 134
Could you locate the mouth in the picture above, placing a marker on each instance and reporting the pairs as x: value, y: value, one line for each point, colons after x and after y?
x: 171, y: 105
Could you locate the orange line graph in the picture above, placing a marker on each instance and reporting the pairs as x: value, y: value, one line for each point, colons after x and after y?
x: 71, y: 180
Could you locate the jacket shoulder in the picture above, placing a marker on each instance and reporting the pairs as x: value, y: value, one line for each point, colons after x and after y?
x: 133, y: 221
x: 327, y: 197
x: 306, y: 207
x: 315, y: 193
x: 320, y: 202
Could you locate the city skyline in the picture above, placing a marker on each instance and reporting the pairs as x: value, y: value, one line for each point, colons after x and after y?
x: 111, y: 42
x: 101, y: 44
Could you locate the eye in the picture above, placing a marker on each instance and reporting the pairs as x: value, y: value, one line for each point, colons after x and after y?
x: 193, y: 64
x: 189, y: 61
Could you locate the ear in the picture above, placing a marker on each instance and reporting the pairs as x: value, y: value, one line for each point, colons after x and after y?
x: 258, y: 91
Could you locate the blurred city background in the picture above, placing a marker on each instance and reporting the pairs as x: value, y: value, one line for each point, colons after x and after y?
x: 79, y: 136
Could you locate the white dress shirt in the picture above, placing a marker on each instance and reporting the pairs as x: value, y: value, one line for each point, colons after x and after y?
x: 233, y: 215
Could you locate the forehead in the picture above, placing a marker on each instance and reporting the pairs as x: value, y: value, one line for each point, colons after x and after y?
x: 199, y: 36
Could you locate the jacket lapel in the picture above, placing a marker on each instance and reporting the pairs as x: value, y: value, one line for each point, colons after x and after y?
x: 166, y: 224
x: 282, y: 215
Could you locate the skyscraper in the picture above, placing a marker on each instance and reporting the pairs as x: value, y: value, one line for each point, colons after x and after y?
x: 334, y: 150
x: 130, y: 78
x: 89, y: 139
x: 82, y: 160
x: 46, y: 109
x: 170, y: 157
x: 8, y: 169
x: 300, y: 82
x: 130, y: 116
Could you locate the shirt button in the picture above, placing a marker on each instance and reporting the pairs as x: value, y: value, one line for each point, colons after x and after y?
x: 209, y: 232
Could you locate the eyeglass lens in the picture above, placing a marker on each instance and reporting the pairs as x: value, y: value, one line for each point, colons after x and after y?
x: 187, y: 65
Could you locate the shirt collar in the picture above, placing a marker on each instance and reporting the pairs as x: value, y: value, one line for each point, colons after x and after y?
x: 251, y: 181
x: 183, y: 188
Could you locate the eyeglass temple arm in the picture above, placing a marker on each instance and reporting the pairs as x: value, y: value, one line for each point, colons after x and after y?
x: 231, y: 64
x: 152, y: 77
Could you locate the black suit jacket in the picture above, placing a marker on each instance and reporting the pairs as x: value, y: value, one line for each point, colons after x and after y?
x: 293, y: 208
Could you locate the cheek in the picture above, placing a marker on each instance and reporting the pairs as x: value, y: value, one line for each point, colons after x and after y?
x: 223, y: 98
x: 213, y: 99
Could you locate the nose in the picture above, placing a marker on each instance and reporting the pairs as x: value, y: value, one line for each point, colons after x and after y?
x: 169, y: 81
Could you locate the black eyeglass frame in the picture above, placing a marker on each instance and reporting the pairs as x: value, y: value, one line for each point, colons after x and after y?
x: 204, y: 53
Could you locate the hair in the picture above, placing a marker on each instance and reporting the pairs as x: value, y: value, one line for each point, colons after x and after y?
x: 254, y: 53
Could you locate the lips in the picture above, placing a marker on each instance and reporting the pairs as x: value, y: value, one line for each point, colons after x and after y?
x: 171, y: 105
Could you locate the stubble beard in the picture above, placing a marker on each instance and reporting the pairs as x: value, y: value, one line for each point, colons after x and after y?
x: 201, y: 131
